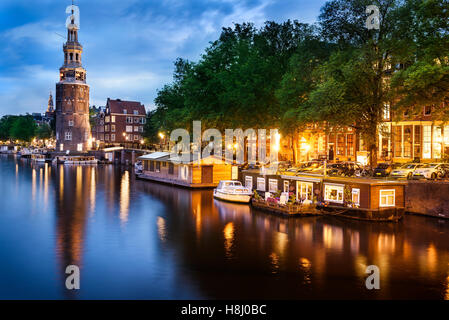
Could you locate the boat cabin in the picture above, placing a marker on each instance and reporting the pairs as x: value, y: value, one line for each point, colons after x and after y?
x: 205, y: 173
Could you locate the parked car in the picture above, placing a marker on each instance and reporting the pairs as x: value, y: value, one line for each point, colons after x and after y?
x: 431, y: 171
x: 384, y: 169
x: 310, y: 166
x: 405, y: 171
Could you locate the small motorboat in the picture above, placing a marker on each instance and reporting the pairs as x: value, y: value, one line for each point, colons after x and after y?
x: 40, y: 158
x: 232, y: 191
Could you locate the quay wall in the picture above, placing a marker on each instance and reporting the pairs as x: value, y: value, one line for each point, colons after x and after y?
x: 428, y: 198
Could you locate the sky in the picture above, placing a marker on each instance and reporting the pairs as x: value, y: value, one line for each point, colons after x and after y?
x: 129, y: 45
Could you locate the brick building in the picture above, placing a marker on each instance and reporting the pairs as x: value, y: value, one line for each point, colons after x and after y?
x: 73, y: 131
x: 123, y: 121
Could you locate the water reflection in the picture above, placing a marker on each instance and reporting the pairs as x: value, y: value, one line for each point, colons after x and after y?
x: 158, y: 241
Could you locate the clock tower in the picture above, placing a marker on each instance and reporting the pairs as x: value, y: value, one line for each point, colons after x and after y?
x: 73, y: 131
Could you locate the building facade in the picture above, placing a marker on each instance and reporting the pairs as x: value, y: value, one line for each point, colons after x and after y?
x: 413, y: 138
x: 73, y: 131
x: 124, y: 123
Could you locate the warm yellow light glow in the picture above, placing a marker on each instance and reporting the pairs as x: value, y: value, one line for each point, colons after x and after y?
x: 142, y: 142
x: 161, y: 135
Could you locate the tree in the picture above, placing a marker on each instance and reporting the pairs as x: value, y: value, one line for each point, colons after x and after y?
x: 6, y: 124
x: 24, y: 128
x: 44, y: 131
x: 353, y: 85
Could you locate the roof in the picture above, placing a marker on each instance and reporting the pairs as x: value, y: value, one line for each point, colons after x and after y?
x: 192, y: 158
x: 154, y: 156
x: 118, y: 106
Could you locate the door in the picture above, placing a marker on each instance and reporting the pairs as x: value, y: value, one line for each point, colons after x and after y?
x: 207, y: 174
x: 304, y: 191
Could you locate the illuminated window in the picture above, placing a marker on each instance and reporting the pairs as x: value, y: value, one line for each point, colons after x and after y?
x: 249, y: 182
x: 129, y: 128
x: 387, y: 112
x: 356, y: 196
x: 272, y: 185
x: 387, y: 198
x: 112, y: 137
x: 61, y: 147
x: 261, y: 184
x: 113, y: 127
x: 333, y: 193
x: 113, y: 119
x: 304, y: 191
x: 286, y: 186
x: 79, y: 147
x: 427, y: 142
x: 437, y: 141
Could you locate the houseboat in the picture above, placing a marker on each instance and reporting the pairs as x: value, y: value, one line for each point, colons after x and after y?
x: 355, y: 198
x: 39, y: 158
x: 191, y: 172
x: 364, y: 198
x: 75, y: 160
x: 233, y: 191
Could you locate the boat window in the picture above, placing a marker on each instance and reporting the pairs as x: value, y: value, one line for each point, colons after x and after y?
x: 249, y: 182
x: 261, y: 184
x: 356, y: 196
x: 333, y: 193
x: 237, y: 184
x: 272, y: 185
x: 387, y: 198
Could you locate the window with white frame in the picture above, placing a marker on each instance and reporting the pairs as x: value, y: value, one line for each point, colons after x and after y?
x: 136, y: 137
x: 70, y: 123
x: 184, y: 172
x: 79, y: 147
x: 272, y: 185
x: 61, y: 147
x: 304, y: 191
x: 261, y: 184
x: 129, y: 128
x: 387, y: 198
x: 136, y: 128
x: 356, y: 196
x: 112, y: 127
x: 112, y: 137
x: 249, y: 182
x: 106, y: 137
x: 68, y: 136
x: 113, y: 119
x: 437, y: 142
x: 129, y: 120
x: 333, y: 193
x: 286, y: 186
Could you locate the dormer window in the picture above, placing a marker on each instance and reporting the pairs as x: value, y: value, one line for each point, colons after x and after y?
x: 125, y: 111
x: 427, y: 110
x: 136, y: 112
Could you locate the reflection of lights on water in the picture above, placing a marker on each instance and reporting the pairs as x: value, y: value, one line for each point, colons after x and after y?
x: 386, y: 242
x: 333, y: 237
x: 446, y: 296
x: 46, y: 185
x: 360, y: 265
x: 428, y: 259
x: 124, y: 197
x: 306, y: 267
x: 33, y: 184
x: 355, y: 242
x: 61, y: 182
x: 93, y: 187
x: 228, y: 232
x: 274, y: 259
x: 280, y: 242
x: 161, y: 229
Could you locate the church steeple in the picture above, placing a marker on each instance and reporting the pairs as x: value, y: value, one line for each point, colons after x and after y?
x: 50, y: 107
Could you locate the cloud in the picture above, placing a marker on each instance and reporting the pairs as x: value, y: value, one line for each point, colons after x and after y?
x: 129, y: 46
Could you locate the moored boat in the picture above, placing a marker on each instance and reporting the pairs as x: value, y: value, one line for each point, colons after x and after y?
x: 232, y: 191
x: 38, y: 158
x: 76, y: 160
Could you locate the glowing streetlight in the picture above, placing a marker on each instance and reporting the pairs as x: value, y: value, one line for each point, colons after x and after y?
x: 161, y: 135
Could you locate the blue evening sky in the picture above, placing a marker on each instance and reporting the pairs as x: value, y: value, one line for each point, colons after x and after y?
x: 129, y: 45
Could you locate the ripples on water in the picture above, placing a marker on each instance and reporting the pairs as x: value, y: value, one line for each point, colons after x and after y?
x: 140, y: 240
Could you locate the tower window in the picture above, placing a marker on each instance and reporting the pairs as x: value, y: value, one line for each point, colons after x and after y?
x: 77, y: 57
x: 71, y: 56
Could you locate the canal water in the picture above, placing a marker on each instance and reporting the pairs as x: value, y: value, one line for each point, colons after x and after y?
x: 139, y: 240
